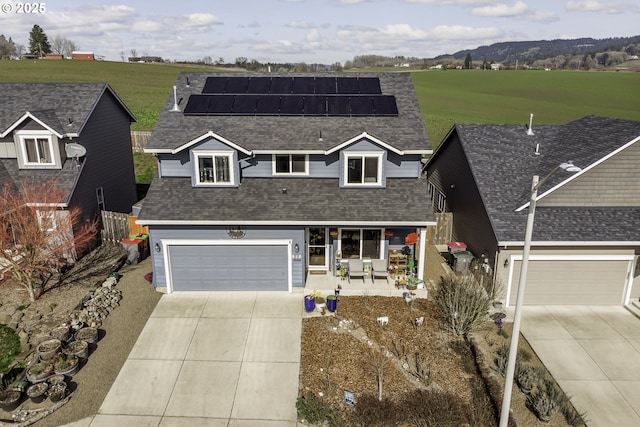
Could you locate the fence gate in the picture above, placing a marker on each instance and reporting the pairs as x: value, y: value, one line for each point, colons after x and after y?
x: 441, y: 233
x: 115, y: 226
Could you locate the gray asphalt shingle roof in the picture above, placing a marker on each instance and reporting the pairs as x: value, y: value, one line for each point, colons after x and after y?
x: 503, y: 161
x: 405, y: 132
x: 307, y: 200
x: 65, y: 107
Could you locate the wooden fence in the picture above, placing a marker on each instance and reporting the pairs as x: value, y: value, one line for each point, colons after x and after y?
x: 442, y: 232
x: 139, y: 140
x: 115, y: 226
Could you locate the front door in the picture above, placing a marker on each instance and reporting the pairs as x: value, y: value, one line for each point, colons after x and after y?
x: 318, y: 249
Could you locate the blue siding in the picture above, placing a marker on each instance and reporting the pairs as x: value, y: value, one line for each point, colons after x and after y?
x: 258, y: 166
x: 157, y: 233
x: 175, y: 164
x: 397, y: 166
x: 324, y: 166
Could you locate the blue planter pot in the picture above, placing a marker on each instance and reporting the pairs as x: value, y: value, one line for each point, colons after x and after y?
x: 332, y: 304
x: 309, y: 304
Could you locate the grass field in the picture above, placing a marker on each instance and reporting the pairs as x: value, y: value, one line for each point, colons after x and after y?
x: 446, y: 97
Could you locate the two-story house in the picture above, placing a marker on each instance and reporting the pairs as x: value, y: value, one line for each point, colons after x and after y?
x: 586, y: 235
x: 263, y: 178
x: 77, y: 133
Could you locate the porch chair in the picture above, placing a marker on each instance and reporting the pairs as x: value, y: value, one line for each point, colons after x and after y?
x: 379, y: 269
x: 356, y: 269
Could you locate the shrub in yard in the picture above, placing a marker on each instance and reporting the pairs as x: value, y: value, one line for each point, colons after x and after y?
x: 9, y: 347
x: 314, y: 410
x: 426, y: 408
x: 546, y: 400
x: 463, y: 304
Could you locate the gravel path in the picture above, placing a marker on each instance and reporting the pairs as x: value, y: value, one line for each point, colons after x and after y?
x: 119, y: 333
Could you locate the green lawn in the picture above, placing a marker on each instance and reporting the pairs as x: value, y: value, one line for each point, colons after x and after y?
x: 446, y: 97
x: 475, y: 96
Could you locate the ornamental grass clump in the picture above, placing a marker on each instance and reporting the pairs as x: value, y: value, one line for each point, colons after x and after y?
x: 463, y: 304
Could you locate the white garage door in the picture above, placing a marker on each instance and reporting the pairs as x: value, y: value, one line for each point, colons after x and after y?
x: 242, y: 267
x: 580, y: 282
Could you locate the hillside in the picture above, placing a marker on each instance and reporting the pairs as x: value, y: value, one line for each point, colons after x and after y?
x: 528, y: 52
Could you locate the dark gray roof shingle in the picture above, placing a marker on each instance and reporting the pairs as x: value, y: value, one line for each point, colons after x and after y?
x: 503, y: 161
x: 405, y: 132
x: 307, y: 200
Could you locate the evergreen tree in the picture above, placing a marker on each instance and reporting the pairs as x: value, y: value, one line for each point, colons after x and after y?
x: 467, y: 62
x: 38, y: 42
x: 7, y: 47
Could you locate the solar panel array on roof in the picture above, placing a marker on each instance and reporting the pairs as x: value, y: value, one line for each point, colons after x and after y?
x: 297, y: 96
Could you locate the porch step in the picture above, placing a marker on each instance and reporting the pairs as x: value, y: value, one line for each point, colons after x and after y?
x: 634, y: 308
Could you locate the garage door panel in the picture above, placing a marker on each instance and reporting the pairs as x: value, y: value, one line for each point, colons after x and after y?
x: 229, y: 267
x: 571, y: 282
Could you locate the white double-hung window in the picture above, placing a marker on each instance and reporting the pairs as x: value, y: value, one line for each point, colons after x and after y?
x: 36, y: 149
x: 214, y: 168
x: 363, y: 168
x: 290, y: 164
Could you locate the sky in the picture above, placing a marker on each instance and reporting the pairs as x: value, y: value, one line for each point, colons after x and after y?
x: 310, y: 31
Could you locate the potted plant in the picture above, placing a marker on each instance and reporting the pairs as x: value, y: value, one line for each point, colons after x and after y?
x: 88, y: 334
x: 78, y: 348
x: 61, y: 333
x: 37, y: 392
x: 310, y: 301
x: 66, y: 364
x: 39, y: 371
x: 527, y: 378
x: 48, y: 349
x: 9, y: 399
x: 58, y: 391
x: 332, y: 302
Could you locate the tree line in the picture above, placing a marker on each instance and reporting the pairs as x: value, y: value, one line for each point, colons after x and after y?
x: 39, y: 45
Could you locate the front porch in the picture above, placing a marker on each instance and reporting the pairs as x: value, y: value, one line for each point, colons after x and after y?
x: 327, y: 283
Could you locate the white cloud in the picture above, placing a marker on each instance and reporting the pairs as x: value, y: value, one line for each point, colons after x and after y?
x: 300, y: 24
x: 453, y: 2
x: 538, y: 16
x: 501, y: 10
x: 313, y: 36
x: 597, y: 6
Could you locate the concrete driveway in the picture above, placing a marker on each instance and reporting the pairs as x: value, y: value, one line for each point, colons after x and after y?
x: 593, y: 352
x: 214, y: 359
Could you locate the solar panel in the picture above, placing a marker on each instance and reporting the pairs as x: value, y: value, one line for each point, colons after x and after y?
x: 347, y: 85
x: 220, y: 104
x: 385, y: 105
x: 214, y: 85
x: 361, y: 106
x: 245, y: 104
x: 325, y: 85
x: 338, y: 106
x: 369, y: 85
x: 259, y: 85
x: 304, y: 85
x: 197, y: 104
x: 237, y: 85
x: 268, y: 104
x: 281, y: 85
x: 315, y: 106
x: 292, y: 104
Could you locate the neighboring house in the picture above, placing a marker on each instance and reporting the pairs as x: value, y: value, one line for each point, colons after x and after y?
x: 78, y: 133
x: 496, y: 67
x: 266, y: 177
x: 83, y: 56
x: 586, y: 238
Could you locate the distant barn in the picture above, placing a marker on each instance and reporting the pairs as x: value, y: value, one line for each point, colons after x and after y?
x: 83, y: 56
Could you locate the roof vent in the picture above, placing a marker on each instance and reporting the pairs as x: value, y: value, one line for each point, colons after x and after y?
x: 188, y: 83
x: 284, y: 191
x: 530, y: 128
x: 537, y: 152
x: 175, y: 101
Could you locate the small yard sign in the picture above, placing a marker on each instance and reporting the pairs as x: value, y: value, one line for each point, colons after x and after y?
x: 349, y: 398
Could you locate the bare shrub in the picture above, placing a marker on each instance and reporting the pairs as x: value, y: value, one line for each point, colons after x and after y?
x: 463, y: 304
x: 369, y: 411
x: 428, y: 408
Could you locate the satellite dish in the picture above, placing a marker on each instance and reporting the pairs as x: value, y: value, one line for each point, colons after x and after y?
x: 75, y: 150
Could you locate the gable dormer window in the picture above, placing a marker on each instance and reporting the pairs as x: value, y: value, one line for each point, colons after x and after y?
x: 214, y: 168
x: 290, y: 164
x: 37, y: 150
x: 363, y: 169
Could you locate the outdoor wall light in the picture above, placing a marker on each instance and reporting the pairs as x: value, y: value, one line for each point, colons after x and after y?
x: 506, y: 263
x: 296, y: 248
x: 156, y: 247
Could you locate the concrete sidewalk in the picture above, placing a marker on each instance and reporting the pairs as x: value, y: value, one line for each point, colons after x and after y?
x: 593, y: 352
x: 214, y: 359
